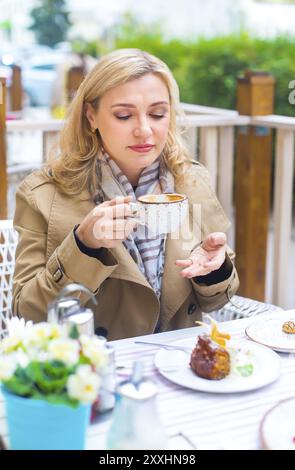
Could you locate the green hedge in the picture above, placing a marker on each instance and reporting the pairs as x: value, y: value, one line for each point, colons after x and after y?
x: 206, y: 70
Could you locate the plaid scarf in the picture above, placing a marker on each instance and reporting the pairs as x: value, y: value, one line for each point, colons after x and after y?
x: 147, y: 250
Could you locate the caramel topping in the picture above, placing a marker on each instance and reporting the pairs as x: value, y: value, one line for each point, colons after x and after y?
x: 215, y: 334
x: 289, y: 327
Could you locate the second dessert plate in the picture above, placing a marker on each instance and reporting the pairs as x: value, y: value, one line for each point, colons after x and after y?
x: 268, y: 330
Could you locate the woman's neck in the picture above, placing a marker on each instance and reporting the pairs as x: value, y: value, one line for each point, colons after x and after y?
x: 131, y: 174
x: 133, y: 179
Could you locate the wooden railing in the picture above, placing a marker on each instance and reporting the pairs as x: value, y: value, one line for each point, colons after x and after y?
x: 210, y: 136
x: 283, y: 199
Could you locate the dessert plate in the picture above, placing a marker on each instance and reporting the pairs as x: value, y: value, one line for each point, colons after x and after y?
x: 277, y: 430
x: 268, y: 331
x: 174, y: 366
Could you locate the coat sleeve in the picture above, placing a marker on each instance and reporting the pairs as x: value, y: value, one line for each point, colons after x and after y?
x: 38, y: 280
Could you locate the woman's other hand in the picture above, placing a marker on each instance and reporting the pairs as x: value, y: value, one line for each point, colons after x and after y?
x: 108, y: 224
x: 208, y: 257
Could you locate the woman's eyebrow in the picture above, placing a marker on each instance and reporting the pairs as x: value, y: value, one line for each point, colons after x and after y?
x: 129, y: 105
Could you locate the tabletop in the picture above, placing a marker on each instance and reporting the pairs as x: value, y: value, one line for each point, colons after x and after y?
x: 194, y: 419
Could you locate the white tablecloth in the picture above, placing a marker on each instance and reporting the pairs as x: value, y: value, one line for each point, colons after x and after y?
x: 210, y: 421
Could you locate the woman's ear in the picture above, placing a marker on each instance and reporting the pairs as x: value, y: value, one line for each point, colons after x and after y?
x: 90, y: 115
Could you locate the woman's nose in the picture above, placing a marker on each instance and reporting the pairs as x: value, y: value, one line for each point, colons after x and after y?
x: 143, y: 129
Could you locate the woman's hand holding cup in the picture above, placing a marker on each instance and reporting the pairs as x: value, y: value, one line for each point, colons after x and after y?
x: 108, y: 224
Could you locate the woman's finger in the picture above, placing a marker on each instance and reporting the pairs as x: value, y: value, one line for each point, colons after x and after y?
x: 215, y: 262
x: 194, y: 271
x: 113, y: 229
x: 120, y: 200
x: 113, y: 211
x: 214, y: 240
x: 183, y: 263
x: 115, y: 201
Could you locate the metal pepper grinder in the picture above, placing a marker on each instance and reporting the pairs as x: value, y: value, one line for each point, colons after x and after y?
x: 68, y: 310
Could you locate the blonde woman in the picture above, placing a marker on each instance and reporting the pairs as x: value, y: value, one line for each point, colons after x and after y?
x: 74, y: 217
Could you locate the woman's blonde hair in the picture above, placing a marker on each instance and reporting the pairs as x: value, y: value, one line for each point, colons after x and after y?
x: 77, y: 164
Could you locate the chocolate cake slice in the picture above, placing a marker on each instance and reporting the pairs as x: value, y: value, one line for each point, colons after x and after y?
x: 209, y: 360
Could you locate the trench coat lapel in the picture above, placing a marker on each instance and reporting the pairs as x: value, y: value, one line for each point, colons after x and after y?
x: 127, y: 268
x: 176, y: 289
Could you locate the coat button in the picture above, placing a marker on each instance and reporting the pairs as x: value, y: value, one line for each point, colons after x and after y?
x: 192, y: 308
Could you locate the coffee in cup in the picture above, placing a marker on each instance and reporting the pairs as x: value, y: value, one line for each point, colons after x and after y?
x: 162, y: 213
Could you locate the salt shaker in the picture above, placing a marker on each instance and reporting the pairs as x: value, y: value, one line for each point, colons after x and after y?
x: 136, y: 424
x: 106, y: 399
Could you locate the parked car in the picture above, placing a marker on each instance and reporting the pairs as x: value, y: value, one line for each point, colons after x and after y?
x: 38, y: 77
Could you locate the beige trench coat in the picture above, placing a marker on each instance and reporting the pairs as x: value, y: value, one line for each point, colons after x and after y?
x: 47, y: 259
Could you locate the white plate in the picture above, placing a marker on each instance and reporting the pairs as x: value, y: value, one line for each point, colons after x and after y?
x: 277, y: 429
x: 174, y: 366
x: 268, y: 331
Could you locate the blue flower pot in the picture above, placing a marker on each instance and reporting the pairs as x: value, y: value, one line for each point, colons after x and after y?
x: 39, y: 425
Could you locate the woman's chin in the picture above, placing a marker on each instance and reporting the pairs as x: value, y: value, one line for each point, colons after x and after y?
x: 148, y: 158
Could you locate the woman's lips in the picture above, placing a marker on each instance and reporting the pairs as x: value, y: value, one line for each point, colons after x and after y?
x: 141, y: 148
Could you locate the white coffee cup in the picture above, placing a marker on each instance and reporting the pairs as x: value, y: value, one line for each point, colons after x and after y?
x: 161, y: 213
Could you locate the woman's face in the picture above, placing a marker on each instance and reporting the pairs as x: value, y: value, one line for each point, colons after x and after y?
x: 133, y: 122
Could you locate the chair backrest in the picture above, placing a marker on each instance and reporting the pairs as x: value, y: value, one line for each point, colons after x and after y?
x: 8, y: 242
x: 243, y: 307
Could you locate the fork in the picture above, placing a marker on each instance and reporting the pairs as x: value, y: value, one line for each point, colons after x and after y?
x: 185, y: 349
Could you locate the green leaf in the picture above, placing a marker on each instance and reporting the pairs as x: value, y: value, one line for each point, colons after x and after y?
x: 62, y: 399
x: 49, y: 377
x: 57, y: 369
x: 20, y: 383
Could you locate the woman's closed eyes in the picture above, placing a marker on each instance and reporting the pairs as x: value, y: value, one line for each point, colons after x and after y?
x: 154, y: 116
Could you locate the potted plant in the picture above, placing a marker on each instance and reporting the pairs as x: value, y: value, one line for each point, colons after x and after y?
x: 50, y: 377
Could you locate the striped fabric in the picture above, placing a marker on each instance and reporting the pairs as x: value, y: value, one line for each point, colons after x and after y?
x: 146, y: 249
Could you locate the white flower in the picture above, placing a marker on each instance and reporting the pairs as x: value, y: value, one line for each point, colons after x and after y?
x: 20, y: 358
x: 18, y: 327
x: 57, y: 331
x: 7, y: 367
x: 84, y: 385
x: 37, y: 355
x: 10, y: 344
x: 65, y: 350
x: 41, y: 333
x: 93, y: 349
